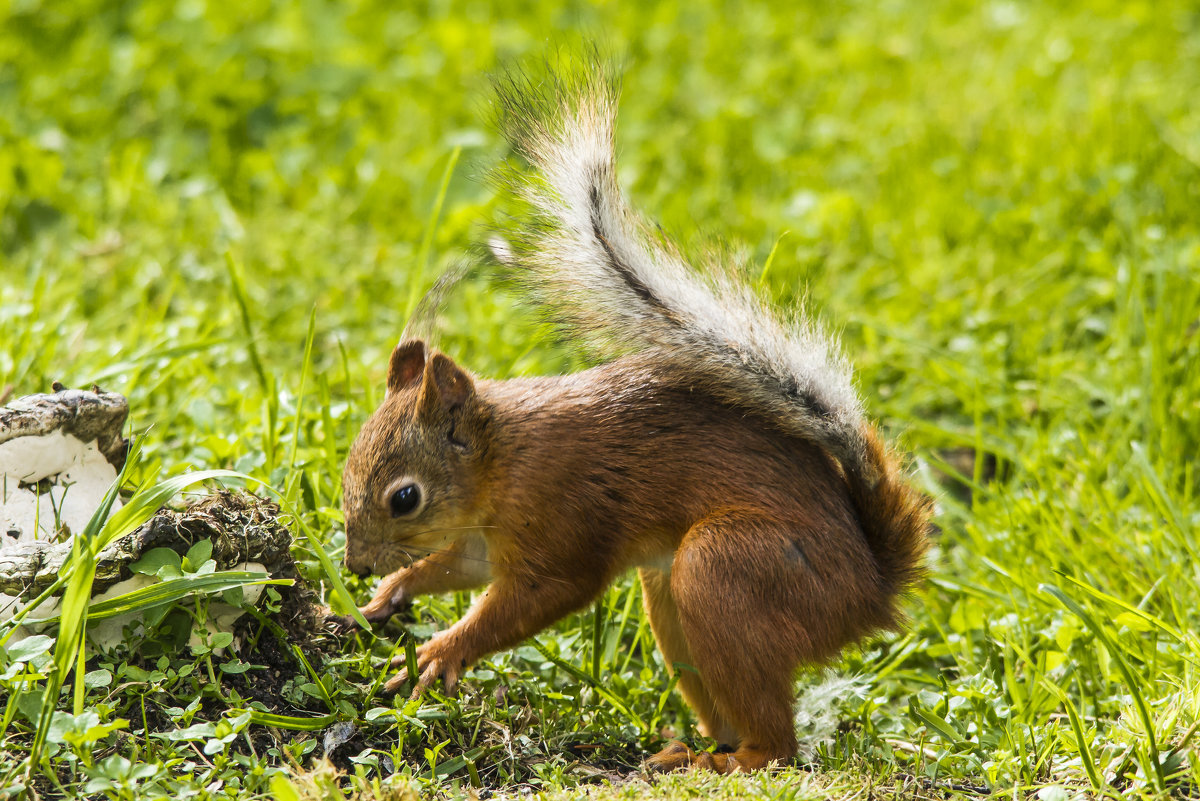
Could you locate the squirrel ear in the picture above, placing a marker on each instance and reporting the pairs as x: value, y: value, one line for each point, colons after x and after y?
x: 446, y: 385
x: 406, y: 365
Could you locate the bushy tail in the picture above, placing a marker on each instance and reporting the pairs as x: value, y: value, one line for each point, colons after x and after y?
x: 893, y: 515
x: 604, y: 274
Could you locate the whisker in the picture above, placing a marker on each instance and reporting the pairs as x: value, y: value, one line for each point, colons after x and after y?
x: 413, y: 550
x: 426, y: 553
x: 416, y: 553
x: 444, y: 530
x: 441, y: 551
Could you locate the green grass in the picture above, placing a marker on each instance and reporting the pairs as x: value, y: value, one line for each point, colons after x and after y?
x: 220, y: 211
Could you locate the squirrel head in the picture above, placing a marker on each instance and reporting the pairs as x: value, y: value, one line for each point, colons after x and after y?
x: 410, y: 478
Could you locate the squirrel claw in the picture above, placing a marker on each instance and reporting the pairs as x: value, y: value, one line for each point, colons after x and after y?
x: 428, y: 676
x: 392, y: 686
x: 341, y: 624
x: 430, y: 667
x: 675, y: 756
x: 336, y: 624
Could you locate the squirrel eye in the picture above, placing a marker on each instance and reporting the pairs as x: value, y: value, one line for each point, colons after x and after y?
x: 405, y: 499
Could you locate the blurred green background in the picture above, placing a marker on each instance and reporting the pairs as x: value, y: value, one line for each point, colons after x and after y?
x: 996, y: 204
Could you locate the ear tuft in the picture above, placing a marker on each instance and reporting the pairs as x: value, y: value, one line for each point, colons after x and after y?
x: 446, y: 384
x: 406, y: 365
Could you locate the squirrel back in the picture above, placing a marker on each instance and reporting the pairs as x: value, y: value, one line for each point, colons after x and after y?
x: 609, y: 279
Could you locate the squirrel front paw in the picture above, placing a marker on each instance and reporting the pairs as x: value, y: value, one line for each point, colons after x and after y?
x: 341, y: 625
x: 387, y: 602
x: 335, y: 624
x: 441, y: 658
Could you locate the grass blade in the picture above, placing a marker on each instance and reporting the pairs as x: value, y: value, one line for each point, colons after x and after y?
x: 1085, y: 748
x: 239, y: 294
x: 418, y: 279
x: 173, y: 590
x: 332, y: 575
x: 290, y: 722
x: 1130, y: 680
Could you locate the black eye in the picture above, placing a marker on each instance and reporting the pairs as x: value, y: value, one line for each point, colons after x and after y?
x: 405, y: 499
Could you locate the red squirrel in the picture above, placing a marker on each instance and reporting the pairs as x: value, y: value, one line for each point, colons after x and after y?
x: 721, y: 450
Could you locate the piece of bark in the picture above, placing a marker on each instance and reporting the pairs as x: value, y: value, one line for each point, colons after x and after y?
x: 86, y: 415
x: 243, y: 528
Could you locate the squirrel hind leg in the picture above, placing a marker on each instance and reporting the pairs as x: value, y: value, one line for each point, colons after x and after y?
x: 752, y: 607
x: 668, y: 633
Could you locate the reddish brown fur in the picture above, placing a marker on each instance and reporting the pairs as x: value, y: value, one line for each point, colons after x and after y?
x: 757, y: 553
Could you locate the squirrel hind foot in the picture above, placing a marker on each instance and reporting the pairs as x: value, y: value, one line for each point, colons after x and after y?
x: 677, y: 756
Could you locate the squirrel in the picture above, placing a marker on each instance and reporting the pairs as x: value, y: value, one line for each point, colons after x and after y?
x: 721, y: 450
